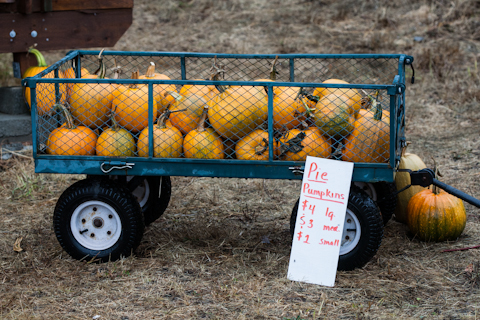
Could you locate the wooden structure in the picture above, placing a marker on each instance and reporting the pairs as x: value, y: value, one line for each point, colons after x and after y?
x: 60, y: 24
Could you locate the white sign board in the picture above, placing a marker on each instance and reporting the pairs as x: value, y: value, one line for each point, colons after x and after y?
x: 320, y: 219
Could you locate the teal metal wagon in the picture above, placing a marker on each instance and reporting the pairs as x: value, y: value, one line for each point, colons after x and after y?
x: 104, y: 216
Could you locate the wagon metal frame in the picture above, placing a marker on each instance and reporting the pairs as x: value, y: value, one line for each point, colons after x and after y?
x: 271, y: 169
x: 99, y: 217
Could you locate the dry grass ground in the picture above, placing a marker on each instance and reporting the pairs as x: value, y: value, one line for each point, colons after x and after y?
x: 221, y: 249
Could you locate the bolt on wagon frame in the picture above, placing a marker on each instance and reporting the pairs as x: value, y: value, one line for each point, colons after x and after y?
x: 103, y: 216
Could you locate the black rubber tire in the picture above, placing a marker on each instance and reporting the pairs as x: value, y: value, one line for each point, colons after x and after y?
x: 105, y: 192
x: 160, y: 193
x: 386, y: 199
x: 368, y: 214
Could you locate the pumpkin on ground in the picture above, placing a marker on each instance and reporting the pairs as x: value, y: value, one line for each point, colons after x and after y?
x: 70, y: 139
x: 167, y: 139
x: 254, y: 146
x: 91, y: 103
x: 370, y: 139
x: 203, y: 143
x: 115, y: 142
x: 434, y: 215
x: 402, y: 179
x: 160, y: 91
x: 333, y: 116
x: 352, y: 94
x: 297, y: 144
x: 130, y: 103
x: 45, y: 92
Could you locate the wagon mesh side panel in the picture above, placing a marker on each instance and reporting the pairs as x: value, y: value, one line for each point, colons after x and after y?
x: 239, y: 121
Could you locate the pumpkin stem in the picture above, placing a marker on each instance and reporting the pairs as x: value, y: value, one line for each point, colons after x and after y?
x: 377, y: 108
x: 404, y: 149
x: 293, y: 145
x: 259, y: 150
x: 68, y: 116
x: 435, y: 189
x: 162, y: 119
x: 115, y: 126
x: 40, y: 58
x: 100, y: 63
x: 310, y: 111
x: 303, y: 124
x: 151, y: 70
x: 273, y: 70
x: 201, y: 123
x: 215, y: 72
x: 117, y: 70
x: 134, y: 77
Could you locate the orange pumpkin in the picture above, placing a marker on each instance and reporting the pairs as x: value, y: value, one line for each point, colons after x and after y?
x: 186, y: 111
x: 45, y: 92
x: 434, y: 215
x: 287, y: 103
x: 352, y: 94
x: 366, y: 106
x: 206, y: 92
x: 115, y: 142
x: 254, y: 146
x: 296, y: 144
x: 160, y: 91
x: 130, y: 103
x: 203, y: 143
x: 237, y: 111
x: 167, y: 140
x: 333, y: 115
x: 370, y: 139
x: 70, y: 74
x: 71, y: 140
x: 90, y: 103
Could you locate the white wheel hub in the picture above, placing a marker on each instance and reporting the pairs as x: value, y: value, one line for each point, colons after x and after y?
x: 368, y: 189
x: 96, y: 225
x: 351, y: 233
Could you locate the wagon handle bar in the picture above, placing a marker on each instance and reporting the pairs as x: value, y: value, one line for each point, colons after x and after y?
x: 426, y: 177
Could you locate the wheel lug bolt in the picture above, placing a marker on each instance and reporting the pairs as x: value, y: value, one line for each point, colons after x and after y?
x: 110, y: 216
x: 109, y: 232
x: 92, y: 235
x: 83, y: 221
x: 94, y: 208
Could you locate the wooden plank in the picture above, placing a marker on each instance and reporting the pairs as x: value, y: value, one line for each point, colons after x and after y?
x: 25, y: 6
x: 63, y: 29
x: 64, y: 5
x: 30, y: 6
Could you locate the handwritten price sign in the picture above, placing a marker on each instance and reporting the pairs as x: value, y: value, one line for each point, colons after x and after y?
x: 320, y: 217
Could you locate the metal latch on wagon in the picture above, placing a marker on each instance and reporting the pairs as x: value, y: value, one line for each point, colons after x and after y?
x: 297, y: 170
x: 108, y: 166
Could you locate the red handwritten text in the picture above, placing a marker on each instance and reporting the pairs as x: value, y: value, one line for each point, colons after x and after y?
x: 331, y: 228
x: 326, y: 195
x: 314, y: 174
x: 329, y: 243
